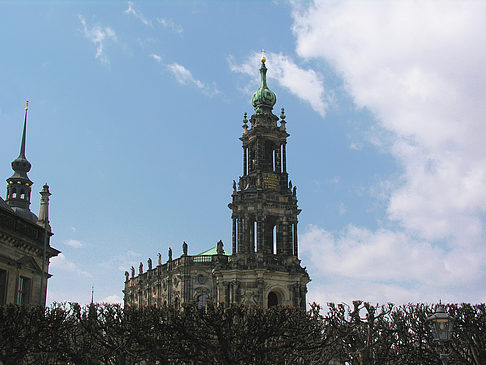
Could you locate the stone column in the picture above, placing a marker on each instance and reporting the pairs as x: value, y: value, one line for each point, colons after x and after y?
x: 279, y: 238
x: 245, y: 169
x: 295, y: 295
x: 268, y: 237
x: 232, y: 293
x: 236, y: 292
x: 226, y: 294
x: 240, y: 235
x: 251, y: 222
x: 296, y: 245
x: 260, y: 299
x: 290, y: 239
x: 259, y: 155
x: 169, y: 290
x: 277, y: 160
x: 260, y: 235
x: 286, y: 247
x: 233, y: 237
x: 246, y: 235
x: 243, y: 244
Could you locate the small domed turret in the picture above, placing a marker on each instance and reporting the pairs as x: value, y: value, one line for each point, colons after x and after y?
x: 264, y: 99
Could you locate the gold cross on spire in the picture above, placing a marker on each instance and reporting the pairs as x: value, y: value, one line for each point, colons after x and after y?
x: 26, y: 104
x: 263, y: 56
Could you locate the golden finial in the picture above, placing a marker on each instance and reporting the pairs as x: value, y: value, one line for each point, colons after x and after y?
x: 26, y: 104
x: 263, y: 56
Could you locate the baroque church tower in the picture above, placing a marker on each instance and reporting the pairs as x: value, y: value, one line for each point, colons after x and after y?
x: 263, y: 267
x: 264, y: 209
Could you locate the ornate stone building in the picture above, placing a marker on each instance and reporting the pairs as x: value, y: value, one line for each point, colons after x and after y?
x: 263, y: 267
x: 24, y: 239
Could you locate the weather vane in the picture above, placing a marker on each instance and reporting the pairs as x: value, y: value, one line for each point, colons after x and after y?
x: 263, y: 56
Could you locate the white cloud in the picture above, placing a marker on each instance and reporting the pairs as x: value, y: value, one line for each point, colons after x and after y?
x: 156, y: 57
x: 122, y: 261
x: 137, y: 14
x: 384, y: 254
x: 60, y: 262
x: 133, y: 254
x: 418, y: 67
x: 112, y: 299
x: 169, y: 24
x: 305, y: 84
x: 98, y: 35
x: 185, y: 77
x: 386, y: 265
x: 74, y: 243
x: 342, y: 208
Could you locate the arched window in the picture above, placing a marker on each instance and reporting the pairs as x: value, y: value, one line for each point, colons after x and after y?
x: 272, y: 299
x: 202, y: 301
x: 268, y: 151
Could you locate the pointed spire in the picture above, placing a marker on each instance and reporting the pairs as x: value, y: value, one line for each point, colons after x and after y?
x: 19, y: 185
x: 22, y: 146
x: 20, y: 165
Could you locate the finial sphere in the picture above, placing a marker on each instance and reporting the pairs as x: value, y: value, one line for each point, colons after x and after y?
x: 26, y: 104
x: 263, y: 56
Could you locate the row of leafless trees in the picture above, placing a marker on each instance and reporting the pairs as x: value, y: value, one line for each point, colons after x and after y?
x: 361, y: 334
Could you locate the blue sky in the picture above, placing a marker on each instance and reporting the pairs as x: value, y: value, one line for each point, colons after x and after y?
x: 135, y: 114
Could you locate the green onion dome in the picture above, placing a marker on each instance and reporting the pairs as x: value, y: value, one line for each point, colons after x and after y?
x: 264, y: 99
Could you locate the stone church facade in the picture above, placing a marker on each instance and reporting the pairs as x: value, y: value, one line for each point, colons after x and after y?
x: 263, y: 267
x: 24, y: 238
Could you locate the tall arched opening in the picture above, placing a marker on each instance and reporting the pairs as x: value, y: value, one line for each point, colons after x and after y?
x: 272, y: 299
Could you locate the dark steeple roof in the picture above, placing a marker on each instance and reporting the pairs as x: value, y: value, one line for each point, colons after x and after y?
x: 19, y: 185
x: 21, y: 165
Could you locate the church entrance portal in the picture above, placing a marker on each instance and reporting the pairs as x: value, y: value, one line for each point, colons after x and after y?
x: 272, y: 299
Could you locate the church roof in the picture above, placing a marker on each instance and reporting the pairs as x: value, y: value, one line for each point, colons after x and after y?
x: 25, y: 213
x: 5, y: 205
x: 213, y: 251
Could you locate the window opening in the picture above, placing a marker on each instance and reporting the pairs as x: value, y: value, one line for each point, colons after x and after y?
x: 274, y: 240
x: 23, y: 290
x: 202, y: 301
